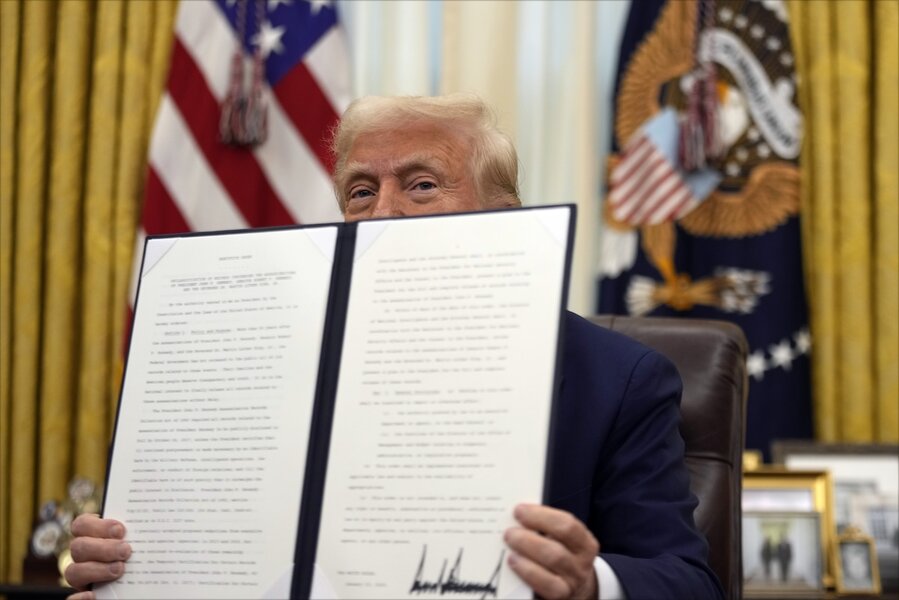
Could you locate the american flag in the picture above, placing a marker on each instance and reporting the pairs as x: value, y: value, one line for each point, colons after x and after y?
x: 196, y: 182
x: 647, y: 186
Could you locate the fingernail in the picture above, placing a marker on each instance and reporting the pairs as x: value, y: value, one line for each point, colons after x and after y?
x: 513, y: 560
x: 115, y: 568
x: 517, y: 512
x: 117, y: 531
x: 124, y: 551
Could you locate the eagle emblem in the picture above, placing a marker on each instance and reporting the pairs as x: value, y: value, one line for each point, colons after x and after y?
x: 746, y: 184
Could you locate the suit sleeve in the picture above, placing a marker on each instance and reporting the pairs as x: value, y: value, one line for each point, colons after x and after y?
x: 642, y: 507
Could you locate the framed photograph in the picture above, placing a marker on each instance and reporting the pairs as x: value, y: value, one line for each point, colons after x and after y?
x: 866, y: 492
x: 782, y: 553
x: 857, y: 568
x: 779, y: 490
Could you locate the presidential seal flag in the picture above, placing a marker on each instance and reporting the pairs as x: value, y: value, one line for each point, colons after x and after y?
x: 702, y: 211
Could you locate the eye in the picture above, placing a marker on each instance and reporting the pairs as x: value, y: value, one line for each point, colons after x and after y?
x: 424, y: 186
x: 361, y: 193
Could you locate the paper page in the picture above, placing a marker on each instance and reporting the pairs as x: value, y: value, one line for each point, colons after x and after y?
x: 443, y: 403
x: 211, y: 439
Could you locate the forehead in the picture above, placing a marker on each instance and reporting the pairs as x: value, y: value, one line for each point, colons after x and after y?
x: 415, y: 141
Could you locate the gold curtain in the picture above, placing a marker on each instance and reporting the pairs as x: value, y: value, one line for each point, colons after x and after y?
x: 849, y: 92
x: 80, y: 82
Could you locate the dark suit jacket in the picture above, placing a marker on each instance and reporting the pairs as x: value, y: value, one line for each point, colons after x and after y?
x: 618, y: 463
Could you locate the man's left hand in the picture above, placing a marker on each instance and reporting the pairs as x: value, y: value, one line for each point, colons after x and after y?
x: 553, y: 553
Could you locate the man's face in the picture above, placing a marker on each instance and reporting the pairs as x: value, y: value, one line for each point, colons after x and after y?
x: 417, y: 169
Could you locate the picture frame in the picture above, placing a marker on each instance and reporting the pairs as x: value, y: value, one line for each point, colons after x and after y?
x: 779, y: 490
x: 866, y: 492
x: 857, y: 566
x: 782, y: 554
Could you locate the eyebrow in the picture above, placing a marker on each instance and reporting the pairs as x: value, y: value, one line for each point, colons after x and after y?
x: 414, y: 162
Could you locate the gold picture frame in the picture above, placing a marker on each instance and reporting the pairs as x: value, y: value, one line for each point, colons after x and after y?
x: 782, y: 555
x: 866, y: 492
x: 776, y: 489
x: 857, y: 569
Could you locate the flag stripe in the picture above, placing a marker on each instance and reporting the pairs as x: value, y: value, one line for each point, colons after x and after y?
x: 622, y: 191
x: 236, y: 168
x: 309, y: 110
x: 684, y: 207
x: 205, y: 32
x: 684, y: 204
x: 646, y: 188
x: 295, y: 173
x: 669, y: 185
x: 631, y: 160
x: 162, y: 216
x: 641, y: 184
x: 673, y: 202
x: 664, y: 212
x: 192, y: 184
x: 659, y: 169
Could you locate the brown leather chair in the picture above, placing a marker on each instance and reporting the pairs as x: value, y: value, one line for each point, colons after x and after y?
x: 711, y: 359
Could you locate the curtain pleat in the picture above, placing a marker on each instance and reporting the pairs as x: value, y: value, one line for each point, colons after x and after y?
x: 33, y: 98
x: 10, y: 36
x: 92, y: 419
x: 62, y: 246
x: 886, y: 202
x: 818, y: 184
x: 846, y: 54
x: 852, y: 74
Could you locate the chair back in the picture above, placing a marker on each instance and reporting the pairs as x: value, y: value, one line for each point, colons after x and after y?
x: 711, y: 359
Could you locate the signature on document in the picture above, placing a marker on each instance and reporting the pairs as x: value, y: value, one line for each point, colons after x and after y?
x: 452, y: 583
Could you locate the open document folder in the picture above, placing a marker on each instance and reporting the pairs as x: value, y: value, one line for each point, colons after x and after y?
x: 343, y: 411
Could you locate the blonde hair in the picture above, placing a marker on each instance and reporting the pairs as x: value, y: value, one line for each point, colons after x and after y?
x: 494, y: 161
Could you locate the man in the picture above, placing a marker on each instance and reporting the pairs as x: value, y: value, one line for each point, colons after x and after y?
x: 767, y: 556
x: 620, y: 478
x: 784, y: 557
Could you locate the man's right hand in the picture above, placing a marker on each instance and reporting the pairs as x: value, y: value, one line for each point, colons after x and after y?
x: 98, y: 551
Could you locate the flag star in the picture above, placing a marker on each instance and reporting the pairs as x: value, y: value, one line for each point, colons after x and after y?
x: 755, y: 364
x: 273, y: 4
x: 782, y: 355
x: 269, y: 39
x: 317, y: 5
x: 803, y: 341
